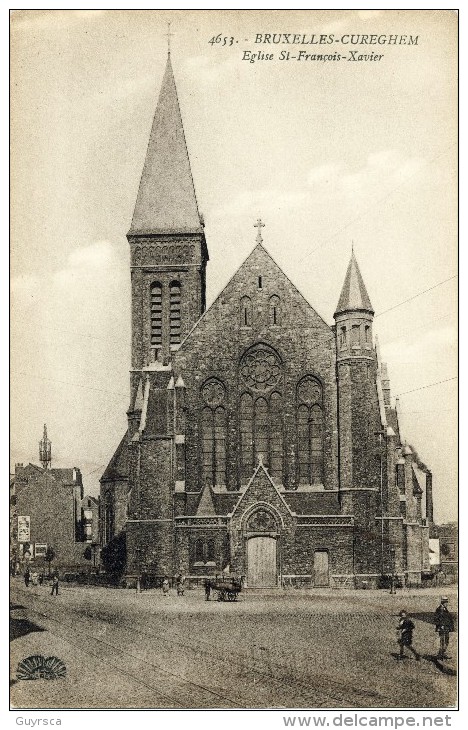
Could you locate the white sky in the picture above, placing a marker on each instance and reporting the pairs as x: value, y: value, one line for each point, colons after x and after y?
x: 325, y: 153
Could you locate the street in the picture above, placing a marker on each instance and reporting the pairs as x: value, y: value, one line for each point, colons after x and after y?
x: 275, y: 649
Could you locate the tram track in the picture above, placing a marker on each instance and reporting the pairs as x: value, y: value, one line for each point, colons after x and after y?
x: 315, y: 690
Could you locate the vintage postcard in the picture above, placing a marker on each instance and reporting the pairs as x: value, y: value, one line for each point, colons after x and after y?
x: 234, y: 277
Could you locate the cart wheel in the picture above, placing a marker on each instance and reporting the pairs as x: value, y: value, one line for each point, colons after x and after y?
x: 231, y: 596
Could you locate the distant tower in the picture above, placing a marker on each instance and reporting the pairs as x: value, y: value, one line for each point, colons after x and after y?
x: 45, y: 450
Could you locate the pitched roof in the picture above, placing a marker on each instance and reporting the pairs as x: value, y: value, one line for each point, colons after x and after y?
x: 354, y: 294
x: 119, y: 465
x: 257, y: 257
x: 166, y: 201
x: 205, y: 505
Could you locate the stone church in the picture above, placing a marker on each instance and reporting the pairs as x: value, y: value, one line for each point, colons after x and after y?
x: 261, y: 440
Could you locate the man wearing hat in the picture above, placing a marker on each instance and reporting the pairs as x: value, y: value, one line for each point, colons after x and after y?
x: 444, y: 625
x: 405, y: 630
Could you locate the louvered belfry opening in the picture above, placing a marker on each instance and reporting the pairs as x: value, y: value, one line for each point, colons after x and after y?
x: 156, y: 313
x: 174, y: 313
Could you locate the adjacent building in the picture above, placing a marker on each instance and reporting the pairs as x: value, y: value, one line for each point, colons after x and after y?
x: 48, y: 509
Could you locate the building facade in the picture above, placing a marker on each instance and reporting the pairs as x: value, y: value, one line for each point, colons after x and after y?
x: 261, y: 440
x: 48, y: 510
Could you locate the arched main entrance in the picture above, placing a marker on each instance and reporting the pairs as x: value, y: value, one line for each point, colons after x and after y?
x: 261, y: 533
x: 261, y: 562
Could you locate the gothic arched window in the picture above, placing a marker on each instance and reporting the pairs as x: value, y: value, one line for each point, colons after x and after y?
x: 213, y: 430
x: 199, y: 557
x: 276, y: 437
x: 210, y: 551
x: 274, y: 310
x: 246, y: 437
x: 310, y: 431
x: 261, y: 418
x: 156, y: 313
x: 261, y: 430
x: 109, y: 526
x: 355, y: 335
x: 245, y: 312
x: 343, y: 343
x: 174, y: 313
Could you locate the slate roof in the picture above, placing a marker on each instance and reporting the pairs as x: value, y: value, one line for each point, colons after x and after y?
x: 354, y: 294
x: 119, y: 466
x: 166, y: 200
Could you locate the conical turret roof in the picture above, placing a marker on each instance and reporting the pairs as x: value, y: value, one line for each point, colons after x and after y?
x: 354, y: 294
x: 166, y: 201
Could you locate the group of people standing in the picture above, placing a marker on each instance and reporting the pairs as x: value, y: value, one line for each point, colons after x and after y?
x: 444, y: 625
x: 180, y: 585
x: 38, y: 579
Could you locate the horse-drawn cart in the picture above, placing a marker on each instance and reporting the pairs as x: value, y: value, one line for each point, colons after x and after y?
x: 226, y: 589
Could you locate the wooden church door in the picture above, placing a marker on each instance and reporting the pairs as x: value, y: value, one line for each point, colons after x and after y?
x: 321, y: 577
x: 261, y: 562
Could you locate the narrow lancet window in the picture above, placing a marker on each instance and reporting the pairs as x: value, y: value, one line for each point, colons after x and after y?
x: 310, y: 431
x: 274, y: 310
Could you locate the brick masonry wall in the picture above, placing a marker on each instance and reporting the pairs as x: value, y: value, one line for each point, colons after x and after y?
x: 51, y: 507
x: 164, y: 259
x: 303, y: 341
x: 115, y: 493
x: 305, y: 345
x: 185, y: 560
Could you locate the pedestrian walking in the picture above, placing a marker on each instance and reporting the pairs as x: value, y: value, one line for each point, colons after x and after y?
x: 405, y: 630
x: 444, y: 624
x: 180, y: 585
x: 41, y: 578
x: 34, y: 578
x: 27, y: 577
x: 207, y: 589
x: 165, y: 586
x: 55, y: 584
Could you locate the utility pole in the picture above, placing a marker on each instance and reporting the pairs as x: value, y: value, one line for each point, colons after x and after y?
x: 138, y: 582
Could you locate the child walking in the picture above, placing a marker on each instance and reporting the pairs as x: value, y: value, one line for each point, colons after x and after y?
x: 405, y: 630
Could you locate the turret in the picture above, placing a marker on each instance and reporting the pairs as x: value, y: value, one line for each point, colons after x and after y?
x: 354, y: 316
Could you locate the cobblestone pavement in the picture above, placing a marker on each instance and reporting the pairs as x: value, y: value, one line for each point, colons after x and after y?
x: 315, y: 649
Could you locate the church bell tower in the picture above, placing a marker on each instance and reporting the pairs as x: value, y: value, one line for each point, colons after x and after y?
x: 167, y: 241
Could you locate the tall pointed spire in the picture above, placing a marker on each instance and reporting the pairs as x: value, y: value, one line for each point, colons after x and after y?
x: 166, y: 201
x: 354, y: 295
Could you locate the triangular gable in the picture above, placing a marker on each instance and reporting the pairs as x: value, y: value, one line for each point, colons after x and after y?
x: 258, y: 256
x: 261, y: 489
x: 206, y: 506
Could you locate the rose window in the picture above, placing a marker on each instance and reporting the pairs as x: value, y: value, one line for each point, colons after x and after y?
x: 261, y: 521
x: 260, y: 368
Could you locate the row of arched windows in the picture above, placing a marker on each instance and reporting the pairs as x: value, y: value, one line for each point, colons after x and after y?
x: 261, y: 428
x: 357, y: 336
x: 246, y: 311
x: 157, y: 299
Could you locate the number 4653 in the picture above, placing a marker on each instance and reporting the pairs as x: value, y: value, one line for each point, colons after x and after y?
x: 223, y: 40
